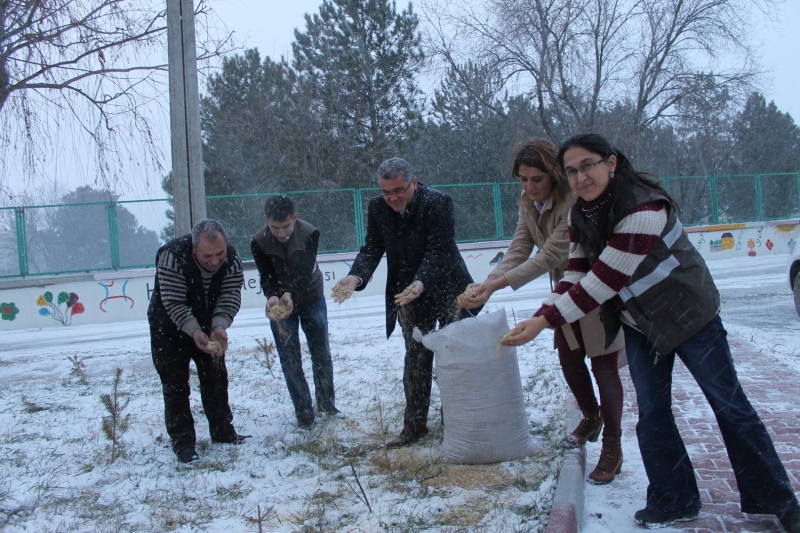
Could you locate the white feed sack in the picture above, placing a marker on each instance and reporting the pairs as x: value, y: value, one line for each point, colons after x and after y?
x: 482, y: 403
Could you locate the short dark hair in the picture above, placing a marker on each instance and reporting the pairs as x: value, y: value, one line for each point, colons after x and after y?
x: 278, y: 207
x: 209, y: 227
x: 395, y: 167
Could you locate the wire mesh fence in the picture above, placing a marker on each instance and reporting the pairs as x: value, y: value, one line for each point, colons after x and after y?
x: 59, y: 239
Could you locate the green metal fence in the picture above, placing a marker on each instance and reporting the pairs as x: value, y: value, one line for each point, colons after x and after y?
x: 59, y: 239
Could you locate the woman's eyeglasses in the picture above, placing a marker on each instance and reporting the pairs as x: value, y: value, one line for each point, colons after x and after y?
x: 584, y: 169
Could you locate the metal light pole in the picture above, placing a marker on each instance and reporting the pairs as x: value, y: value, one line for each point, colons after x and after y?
x: 188, y: 187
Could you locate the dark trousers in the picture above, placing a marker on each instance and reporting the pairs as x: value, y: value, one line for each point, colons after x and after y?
x: 606, y: 373
x: 418, y: 366
x: 313, y: 318
x: 171, y: 356
x: 760, y: 476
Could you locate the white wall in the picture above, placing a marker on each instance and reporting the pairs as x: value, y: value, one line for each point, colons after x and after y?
x: 108, y: 297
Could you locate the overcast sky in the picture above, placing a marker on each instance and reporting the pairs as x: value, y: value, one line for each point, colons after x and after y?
x: 269, y: 26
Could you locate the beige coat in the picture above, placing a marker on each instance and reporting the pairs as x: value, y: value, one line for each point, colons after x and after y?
x: 548, y: 232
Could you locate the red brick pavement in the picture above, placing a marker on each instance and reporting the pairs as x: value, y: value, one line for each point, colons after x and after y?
x: 774, y: 390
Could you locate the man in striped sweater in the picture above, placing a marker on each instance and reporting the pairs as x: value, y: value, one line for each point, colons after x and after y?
x: 197, y: 293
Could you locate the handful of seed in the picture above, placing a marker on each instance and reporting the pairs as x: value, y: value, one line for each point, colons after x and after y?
x: 278, y: 312
x: 512, y: 333
x: 408, y: 292
x: 341, y: 293
x: 215, y: 347
x: 469, y: 293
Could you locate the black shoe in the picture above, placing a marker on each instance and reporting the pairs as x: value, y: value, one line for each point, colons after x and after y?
x: 791, y: 521
x: 187, y: 455
x: 331, y: 412
x: 305, y: 423
x: 653, y: 519
x: 406, y: 438
x: 235, y: 439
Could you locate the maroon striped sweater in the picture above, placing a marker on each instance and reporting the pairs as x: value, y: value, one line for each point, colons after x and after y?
x: 582, y: 290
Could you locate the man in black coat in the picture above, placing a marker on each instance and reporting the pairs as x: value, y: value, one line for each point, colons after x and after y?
x: 197, y: 294
x: 285, y: 252
x: 415, y: 226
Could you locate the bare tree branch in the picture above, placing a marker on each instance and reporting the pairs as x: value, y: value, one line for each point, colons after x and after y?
x: 95, y: 68
x: 576, y: 58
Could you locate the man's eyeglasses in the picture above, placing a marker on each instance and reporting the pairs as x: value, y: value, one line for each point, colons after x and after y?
x: 586, y: 167
x: 396, y: 192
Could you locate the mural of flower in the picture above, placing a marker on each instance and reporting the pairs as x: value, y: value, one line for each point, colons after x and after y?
x: 8, y: 311
x: 40, y: 301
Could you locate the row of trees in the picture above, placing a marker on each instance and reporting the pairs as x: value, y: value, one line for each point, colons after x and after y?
x: 638, y: 72
x: 649, y: 74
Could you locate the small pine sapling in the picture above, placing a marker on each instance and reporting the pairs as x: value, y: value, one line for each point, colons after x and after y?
x: 78, y: 368
x: 268, y: 349
x: 117, y: 422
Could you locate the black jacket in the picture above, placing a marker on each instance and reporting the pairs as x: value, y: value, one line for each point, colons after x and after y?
x: 419, y: 245
x: 292, y: 268
x: 186, y: 289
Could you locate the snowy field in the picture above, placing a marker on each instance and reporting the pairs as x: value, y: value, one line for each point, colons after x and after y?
x: 57, y: 472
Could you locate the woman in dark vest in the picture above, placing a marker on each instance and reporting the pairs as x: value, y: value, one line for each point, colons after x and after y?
x: 630, y: 256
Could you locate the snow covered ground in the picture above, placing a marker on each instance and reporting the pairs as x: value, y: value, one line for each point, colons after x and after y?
x: 56, y: 472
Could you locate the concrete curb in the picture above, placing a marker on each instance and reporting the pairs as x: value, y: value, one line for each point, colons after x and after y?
x: 566, y: 515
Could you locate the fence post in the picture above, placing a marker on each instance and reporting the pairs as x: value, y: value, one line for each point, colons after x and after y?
x: 759, y: 198
x: 22, y: 240
x: 714, y: 206
x: 113, y: 234
x: 359, y: 217
x: 498, y: 210
x: 797, y: 175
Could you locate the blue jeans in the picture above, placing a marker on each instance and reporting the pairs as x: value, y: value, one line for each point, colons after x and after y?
x: 760, y: 476
x: 313, y: 318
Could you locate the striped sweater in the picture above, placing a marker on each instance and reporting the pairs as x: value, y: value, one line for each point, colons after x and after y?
x: 174, y: 288
x: 583, y: 289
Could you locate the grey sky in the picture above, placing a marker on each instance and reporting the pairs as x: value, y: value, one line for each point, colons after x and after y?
x: 269, y: 25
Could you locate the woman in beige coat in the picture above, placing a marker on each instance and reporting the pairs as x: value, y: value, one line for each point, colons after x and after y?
x: 543, y: 208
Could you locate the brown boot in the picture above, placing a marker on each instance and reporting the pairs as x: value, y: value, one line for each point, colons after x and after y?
x: 609, y: 464
x: 588, y: 429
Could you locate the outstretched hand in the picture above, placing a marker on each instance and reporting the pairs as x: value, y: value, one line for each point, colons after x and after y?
x: 286, y: 301
x: 221, y: 337
x: 411, y: 293
x: 214, y: 344
x: 524, y: 332
x: 479, y: 294
x: 344, y: 288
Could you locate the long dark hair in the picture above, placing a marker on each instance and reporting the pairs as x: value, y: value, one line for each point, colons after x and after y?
x: 541, y: 154
x: 593, y: 237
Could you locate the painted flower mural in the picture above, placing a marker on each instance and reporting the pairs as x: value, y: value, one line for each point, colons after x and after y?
x: 54, y: 310
x: 8, y: 311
